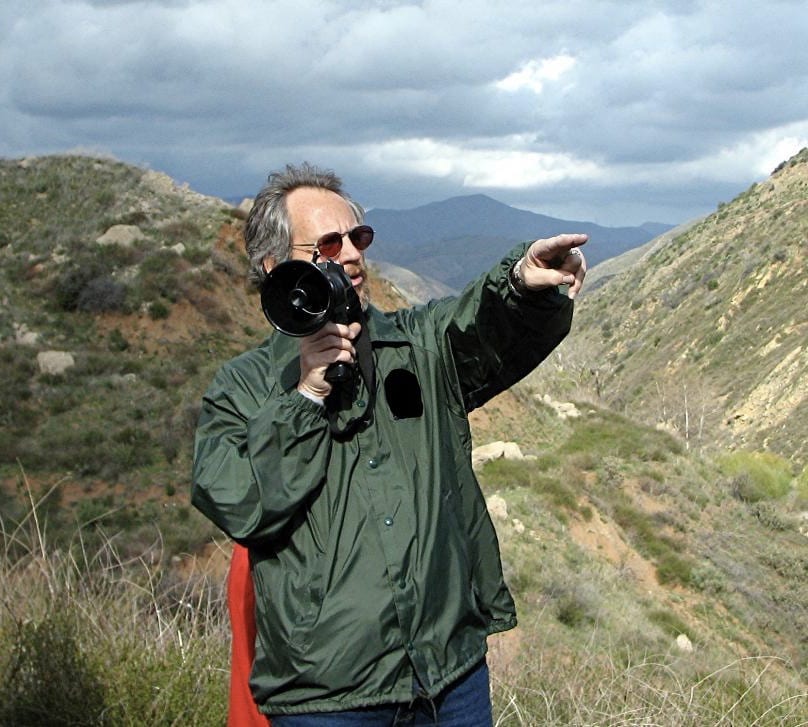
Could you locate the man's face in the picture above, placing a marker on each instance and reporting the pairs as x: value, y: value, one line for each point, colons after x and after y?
x: 313, y: 213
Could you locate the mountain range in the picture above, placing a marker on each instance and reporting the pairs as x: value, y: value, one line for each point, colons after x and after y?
x: 454, y: 240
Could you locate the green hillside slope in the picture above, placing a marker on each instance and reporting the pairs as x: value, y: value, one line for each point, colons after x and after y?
x: 707, y: 333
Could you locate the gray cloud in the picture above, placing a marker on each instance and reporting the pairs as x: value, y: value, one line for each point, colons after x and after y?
x: 617, y: 112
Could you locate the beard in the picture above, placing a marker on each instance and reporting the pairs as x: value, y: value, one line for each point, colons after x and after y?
x: 364, y: 296
x: 363, y: 289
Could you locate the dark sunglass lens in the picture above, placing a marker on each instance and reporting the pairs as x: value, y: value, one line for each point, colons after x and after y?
x: 330, y: 244
x: 361, y: 236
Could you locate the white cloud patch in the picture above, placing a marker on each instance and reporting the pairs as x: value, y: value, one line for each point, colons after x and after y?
x: 474, y: 165
x: 533, y: 74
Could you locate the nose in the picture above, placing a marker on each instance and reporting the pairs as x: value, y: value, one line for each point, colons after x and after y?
x: 349, y: 253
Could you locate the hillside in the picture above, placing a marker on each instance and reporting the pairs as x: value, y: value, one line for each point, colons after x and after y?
x: 122, y: 294
x: 617, y: 537
x: 706, y: 332
x: 599, y: 273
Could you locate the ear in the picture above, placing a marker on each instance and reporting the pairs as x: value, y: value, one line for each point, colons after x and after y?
x: 269, y: 263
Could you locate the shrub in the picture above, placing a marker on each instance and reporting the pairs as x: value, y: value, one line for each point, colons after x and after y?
x: 90, y: 638
x: 135, y: 217
x: 158, y: 310
x: 17, y: 367
x: 117, y: 341
x: 610, y: 435
x: 72, y: 282
x: 504, y: 474
x: 59, y: 446
x: 574, y: 600
x: 184, y: 231
x: 158, y: 276
x: 769, y: 515
x: 757, y: 476
x: 672, y: 568
x: 100, y: 295
x: 130, y: 449
x: 196, y: 255
x: 49, y: 676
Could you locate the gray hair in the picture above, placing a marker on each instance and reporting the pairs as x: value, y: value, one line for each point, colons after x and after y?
x: 268, y: 230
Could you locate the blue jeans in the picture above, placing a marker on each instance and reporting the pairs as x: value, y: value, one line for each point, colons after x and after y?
x: 465, y: 703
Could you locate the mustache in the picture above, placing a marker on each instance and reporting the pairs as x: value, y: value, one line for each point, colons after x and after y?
x: 353, y: 270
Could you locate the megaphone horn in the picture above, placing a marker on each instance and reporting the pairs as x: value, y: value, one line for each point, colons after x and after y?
x: 296, y: 298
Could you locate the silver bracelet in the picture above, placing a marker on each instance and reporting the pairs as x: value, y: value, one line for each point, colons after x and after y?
x: 515, y: 280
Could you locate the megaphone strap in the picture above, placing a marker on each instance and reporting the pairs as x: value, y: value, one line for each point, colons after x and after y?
x: 364, y: 358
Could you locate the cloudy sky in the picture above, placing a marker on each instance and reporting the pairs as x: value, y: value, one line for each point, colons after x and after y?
x: 616, y: 112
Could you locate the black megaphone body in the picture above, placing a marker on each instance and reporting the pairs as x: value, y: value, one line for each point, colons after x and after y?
x: 299, y: 297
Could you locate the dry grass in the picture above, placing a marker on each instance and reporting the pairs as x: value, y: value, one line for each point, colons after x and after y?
x: 604, y: 683
x: 91, y: 638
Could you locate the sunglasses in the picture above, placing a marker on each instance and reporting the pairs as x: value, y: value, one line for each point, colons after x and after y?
x: 330, y: 244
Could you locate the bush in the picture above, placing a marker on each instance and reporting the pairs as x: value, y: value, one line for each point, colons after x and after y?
x: 89, y: 638
x: 17, y: 368
x: 158, y: 310
x: 672, y: 568
x: 574, y: 603
x: 801, y: 488
x: 130, y: 449
x: 159, y: 276
x: 184, y: 231
x: 100, y: 295
x: 117, y: 341
x: 757, y: 476
x: 49, y: 678
x: 72, y: 282
x: 610, y: 435
x: 504, y: 474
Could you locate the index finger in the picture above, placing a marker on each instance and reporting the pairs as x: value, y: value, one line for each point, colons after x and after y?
x: 555, y: 247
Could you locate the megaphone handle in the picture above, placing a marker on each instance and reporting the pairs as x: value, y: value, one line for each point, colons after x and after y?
x: 339, y: 373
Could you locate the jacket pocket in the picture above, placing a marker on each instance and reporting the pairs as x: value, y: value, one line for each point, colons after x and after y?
x: 289, y: 599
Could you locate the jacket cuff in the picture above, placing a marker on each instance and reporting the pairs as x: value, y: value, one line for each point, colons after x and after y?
x: 519, y: 294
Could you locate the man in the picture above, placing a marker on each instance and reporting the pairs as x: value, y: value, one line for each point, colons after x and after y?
x: 375, y: 564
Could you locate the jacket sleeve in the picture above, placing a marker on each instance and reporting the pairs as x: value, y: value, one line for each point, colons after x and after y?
x: 496, y: 336
x: 258, y: 455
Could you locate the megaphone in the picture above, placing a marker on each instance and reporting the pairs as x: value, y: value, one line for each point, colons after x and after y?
x: 299, y: 297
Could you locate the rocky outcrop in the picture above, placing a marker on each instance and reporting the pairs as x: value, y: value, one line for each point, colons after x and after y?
x: 24, y: 336
x: 495, y: 450
x: 564, y: 409
x: 54, y: 362
x: 122, y: 235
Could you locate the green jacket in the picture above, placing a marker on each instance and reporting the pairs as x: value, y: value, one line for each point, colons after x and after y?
x: 374, y: 559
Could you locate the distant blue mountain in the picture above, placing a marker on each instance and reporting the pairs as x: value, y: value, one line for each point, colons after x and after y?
x: 455, y: 240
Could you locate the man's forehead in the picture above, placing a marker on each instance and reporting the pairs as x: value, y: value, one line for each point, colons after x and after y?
x: 316, y: 210
x: 308, y: 199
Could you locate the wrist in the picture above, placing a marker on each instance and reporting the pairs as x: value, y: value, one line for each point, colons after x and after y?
x: 312, y: 396
x: 516, y: 280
